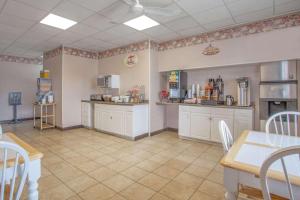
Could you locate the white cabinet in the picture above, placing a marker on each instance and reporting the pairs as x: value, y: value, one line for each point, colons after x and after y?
x: 200, y: 126
x: 129, y: 121
x: 201, y: 122
x: 86, y: 114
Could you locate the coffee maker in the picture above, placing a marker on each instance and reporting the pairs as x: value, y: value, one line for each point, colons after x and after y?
x: 243, y: 91
x: 177, y: 82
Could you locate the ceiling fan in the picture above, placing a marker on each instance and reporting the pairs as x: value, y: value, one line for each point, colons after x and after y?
x: 137, y: 7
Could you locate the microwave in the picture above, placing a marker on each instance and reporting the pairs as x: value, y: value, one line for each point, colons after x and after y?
x: 108, y: 81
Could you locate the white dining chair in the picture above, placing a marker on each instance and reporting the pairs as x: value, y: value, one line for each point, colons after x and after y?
x: 282, y: 123
x: 226, y: 136
x: 1, y: 131
x: 14, y: 172
x: 279, y: 155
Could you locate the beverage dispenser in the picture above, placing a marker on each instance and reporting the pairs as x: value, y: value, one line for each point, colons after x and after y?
x: 177, y: 81
x: 243, y: 93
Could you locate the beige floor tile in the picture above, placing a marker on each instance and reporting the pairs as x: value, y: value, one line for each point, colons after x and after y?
x: 97, y: 192
x: 159, y: 159
x: 198, y: 171
x: 45, y: 172
x: 93, y: 155
x: 149, y: 165
x: 137, y: 192
x: 118, y: 182
x: 158, y: 196
x: 88, y: 166
x: 167, y: 172
x: 202, y: 196
x: 81, y: 183
x: 135, y: 173
x: 58, y: 167
x: 212, y: 189
x: 117, y: 197
x: 119, y: 165
x: 102, y: 173
x: 177, y: 191
x: 189, y: 180
x: 68, y: 174
x: 104, y: 160
x: 154, y: 181
x: 216, y: 177
x: 60, y: 192
x: 74, y: 198
x: 48, y: 182
x: 205, y: 163
x: 177, y: 164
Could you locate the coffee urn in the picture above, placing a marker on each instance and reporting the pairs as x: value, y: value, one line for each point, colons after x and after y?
x: 243, y: 93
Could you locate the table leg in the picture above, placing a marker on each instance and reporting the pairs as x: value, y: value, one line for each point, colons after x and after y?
x: 33, y: 177
x: 231, y: 183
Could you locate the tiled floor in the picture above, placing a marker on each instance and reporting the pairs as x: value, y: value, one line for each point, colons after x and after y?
x: 84, y: 164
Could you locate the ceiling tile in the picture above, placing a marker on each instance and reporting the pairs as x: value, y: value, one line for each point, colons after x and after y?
x: 219, y: 24
x: 191, y: 31
x: 83, y: 29
x: 192, y: 6
x: 32, y: 53
x: 16, y: 21
x: 245, y: 6
x: 94, y: 5
x: 119, y: 12
x: 212, y: 15
x: 67, y: 37
x: 156, y: 3
x: 164, y: 19
x: 46, y: 5
x: 99, y: 22
x: 157, y: 30
x: 72, y: 11
x: 23, y: 11
x: 166, y: 37
x: 286, y: 6
x: 182, y: 23
x: 254, y: 16
x: 121, y: 30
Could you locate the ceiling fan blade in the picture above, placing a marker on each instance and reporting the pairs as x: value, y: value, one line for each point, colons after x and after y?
x: 130, y: 2
x: 161, y: 11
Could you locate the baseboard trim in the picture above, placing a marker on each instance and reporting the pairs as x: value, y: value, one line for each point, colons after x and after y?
x: 69, y: 127
x: 22, y: 119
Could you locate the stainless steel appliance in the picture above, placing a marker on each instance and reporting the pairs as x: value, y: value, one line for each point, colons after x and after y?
x: 177, y: 81
x: 243, y: 91
x: 278, y: 89
x: 108, y: 81
x: 229, y: 100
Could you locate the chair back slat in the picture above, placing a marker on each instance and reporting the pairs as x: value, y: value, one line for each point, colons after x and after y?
x: 226, y: 136
x: 274, y: 157
x: 282, y: 123
x: 12, y: 169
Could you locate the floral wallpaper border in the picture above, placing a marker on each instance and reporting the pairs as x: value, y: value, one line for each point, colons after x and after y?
x: 140, y: 46
x: 80, y: 52
x: 52, y: 53
x: 23, y: 60
x: 267, y: 25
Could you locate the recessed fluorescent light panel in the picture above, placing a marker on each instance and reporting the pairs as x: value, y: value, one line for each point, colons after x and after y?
x: 58, y: 22
x: 141, y: 23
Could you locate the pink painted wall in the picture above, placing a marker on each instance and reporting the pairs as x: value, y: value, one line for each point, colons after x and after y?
x: 263, y: 47
x: 18, y: 77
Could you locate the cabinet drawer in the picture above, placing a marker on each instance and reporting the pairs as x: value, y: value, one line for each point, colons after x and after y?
x: 202, y: 110
x: 243, y: 113
x: 222, y: 112
x: 184, y: 108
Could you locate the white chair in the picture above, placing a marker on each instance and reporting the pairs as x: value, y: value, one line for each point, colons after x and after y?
x: 1, y: 131
x: 226, y: 136
x: 276, y: 156
x: 277, y: 123
x: 15, y: 164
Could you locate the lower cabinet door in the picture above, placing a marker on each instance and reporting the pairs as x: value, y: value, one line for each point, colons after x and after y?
x: 129, y: 129
x: 200, y: 126
x: 97, y: 119
x: 105, y: 121
x: 184, y: 124
x: 241, y: 124
x: 215, y: 135
x: 117, y: 122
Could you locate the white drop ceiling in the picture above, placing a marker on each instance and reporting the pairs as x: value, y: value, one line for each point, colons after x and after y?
x: 100, y: 22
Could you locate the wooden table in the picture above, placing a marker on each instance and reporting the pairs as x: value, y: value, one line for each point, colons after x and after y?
x: 243, y: 161
x: 35, y: 164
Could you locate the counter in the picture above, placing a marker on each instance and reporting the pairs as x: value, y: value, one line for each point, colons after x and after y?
x: 113, y: 103
x: 251, y: 107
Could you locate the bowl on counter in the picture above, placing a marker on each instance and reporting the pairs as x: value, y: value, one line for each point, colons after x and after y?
x: 107, y: 97
x: 125, y: 99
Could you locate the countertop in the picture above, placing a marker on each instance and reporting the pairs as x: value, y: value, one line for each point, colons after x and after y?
x: 214, y: 106
x: 113, y: 103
